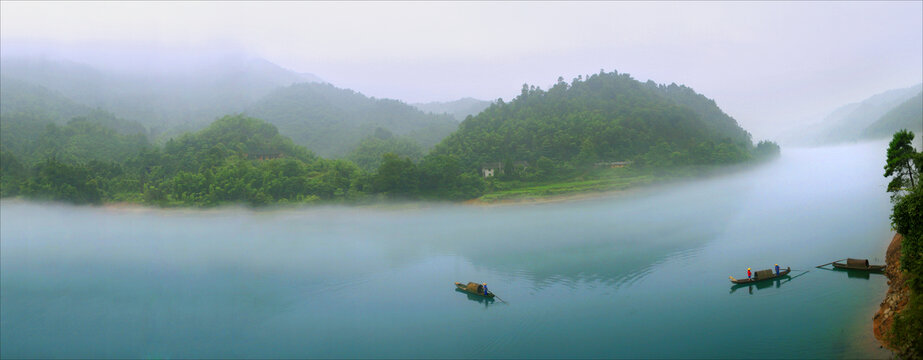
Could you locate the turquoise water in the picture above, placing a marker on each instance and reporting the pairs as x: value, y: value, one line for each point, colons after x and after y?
x: 638, y: 275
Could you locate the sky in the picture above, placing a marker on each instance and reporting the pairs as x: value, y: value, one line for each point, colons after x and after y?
x: 773, y: 66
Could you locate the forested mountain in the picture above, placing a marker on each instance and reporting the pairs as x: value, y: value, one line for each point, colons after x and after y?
x: 908, y: 116
x: 460, y: 109
x: 191, y: 96
x: 52, y: 147
x: 36, y: 101
x: 606, y: 117
x: 332, y: 121
x: 849, y: 122
x: 29, y: 105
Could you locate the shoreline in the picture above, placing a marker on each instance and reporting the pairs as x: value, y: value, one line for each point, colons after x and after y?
x: 125, y: 206
x: 550, y: 199
x: 897, y: 296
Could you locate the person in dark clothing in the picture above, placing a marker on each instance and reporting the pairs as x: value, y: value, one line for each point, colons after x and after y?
x: 777, y: 269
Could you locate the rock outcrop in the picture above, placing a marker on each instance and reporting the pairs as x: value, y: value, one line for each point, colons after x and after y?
x: 897, y: 296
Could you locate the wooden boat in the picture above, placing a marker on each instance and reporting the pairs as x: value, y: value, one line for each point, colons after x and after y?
x: 858, y: 264
x: 474, y: 288
x: 761, y: 276
x: 478, y: 298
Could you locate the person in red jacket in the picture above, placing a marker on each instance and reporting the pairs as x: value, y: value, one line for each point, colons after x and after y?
x: 748, y: 273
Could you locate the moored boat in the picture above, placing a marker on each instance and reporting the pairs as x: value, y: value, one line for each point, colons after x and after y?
x: 858, y: 264
x: 475, y: 288
x: 761, y: 276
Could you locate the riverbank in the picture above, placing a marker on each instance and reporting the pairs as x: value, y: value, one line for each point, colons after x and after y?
x: 547, y: 199
x: 897, y: 296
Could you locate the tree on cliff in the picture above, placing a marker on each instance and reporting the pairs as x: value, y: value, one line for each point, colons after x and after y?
x: 904, y: 163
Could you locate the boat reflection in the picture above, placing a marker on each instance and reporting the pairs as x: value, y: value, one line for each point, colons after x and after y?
x: 777, y: 282
x: 477, y: 298
x: 774, y: 283
x: 854, y: 273
x: 857, y: 274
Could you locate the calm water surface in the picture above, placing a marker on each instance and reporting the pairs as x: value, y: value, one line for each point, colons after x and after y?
x: 643, y: 274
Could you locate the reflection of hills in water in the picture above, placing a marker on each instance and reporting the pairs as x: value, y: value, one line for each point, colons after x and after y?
x: 610, y: 241
x: 604, y: 241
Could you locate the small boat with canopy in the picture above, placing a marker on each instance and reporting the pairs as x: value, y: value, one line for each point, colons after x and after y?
x: 476, y: 289
x: 858, y: 264
x: 762, y: 275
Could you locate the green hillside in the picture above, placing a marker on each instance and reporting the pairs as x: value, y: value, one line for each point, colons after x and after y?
x: 332, y: 121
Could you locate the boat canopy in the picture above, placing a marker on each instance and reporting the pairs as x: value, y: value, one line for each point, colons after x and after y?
x: 762, y: 274
x: 857, y: 263
x: 475, y: 288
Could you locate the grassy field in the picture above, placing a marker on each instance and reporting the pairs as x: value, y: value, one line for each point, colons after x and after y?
x: 599, y: 181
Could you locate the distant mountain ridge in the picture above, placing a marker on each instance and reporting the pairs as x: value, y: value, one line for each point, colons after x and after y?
x: 908, y: 115
x: 849, y: 122
x: 460, y: 109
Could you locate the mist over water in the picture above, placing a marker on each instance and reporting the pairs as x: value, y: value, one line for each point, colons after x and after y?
x: 640, y: 274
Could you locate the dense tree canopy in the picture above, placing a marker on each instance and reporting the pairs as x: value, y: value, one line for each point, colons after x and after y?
x: 369, y: 154
x: 96, y: 136
x: 236, y: 159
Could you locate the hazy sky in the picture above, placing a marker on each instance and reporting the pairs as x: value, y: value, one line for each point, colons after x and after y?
x: 770, y: 65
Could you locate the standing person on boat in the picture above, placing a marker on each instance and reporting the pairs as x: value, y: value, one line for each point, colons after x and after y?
x: 485, y: 288
x: 777, y: 269
x: 748, y: 273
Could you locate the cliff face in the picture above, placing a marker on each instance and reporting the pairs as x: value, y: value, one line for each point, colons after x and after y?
x: 897, y: 295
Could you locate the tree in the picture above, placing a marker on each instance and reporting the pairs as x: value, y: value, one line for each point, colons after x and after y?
x: 396, y: 176
x: 55, y: 180
x: 903, y: 162
x: 905, y: 218
x: 588, y: 153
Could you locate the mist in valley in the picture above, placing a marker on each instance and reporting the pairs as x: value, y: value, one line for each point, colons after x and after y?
x: 305, y: 179
x: 368, y: 271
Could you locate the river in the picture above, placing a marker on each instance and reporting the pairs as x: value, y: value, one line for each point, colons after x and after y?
x: 643, y: 274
